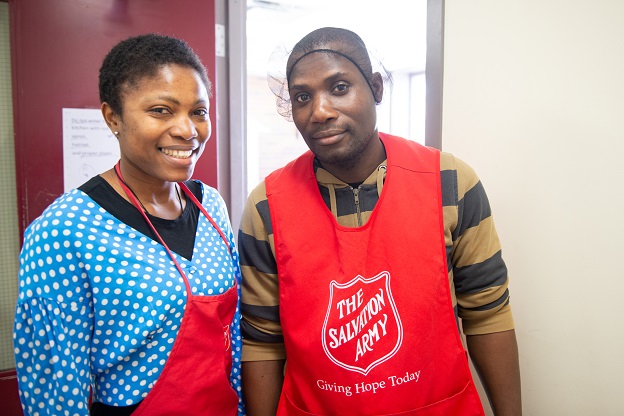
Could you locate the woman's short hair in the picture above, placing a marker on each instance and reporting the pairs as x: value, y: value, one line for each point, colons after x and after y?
x: 142, y: 56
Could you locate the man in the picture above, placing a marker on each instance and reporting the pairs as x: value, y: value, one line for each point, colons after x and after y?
x: 359, y: 257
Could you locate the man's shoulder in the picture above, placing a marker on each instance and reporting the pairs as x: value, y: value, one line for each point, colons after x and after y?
x: 258, y: 193
x: 457, y: 174
x: 449, y: 161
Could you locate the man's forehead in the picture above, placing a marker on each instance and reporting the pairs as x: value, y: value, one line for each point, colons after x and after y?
x: 334, y: 57
x: 323, y: 59
x: 321, y: 66
x: 339, y: 47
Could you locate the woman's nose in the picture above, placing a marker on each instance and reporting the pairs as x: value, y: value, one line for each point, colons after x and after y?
x: 185, y: 128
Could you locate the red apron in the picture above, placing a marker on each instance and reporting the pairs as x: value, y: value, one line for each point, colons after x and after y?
x: 196, y: 376
x: 366, y: 312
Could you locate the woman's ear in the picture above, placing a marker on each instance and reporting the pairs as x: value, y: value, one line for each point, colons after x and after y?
x: 110, y: 117
x: 377, y: 87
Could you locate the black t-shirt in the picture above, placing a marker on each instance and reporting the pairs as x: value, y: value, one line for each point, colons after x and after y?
x: 179, y: 234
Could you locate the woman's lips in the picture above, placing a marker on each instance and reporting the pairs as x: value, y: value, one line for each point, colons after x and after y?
x: 178, y: 154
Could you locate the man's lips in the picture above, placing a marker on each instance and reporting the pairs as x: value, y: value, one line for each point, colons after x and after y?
x: 327, y: 133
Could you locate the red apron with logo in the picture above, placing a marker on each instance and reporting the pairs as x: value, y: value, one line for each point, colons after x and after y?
x: 366, y: 312
x: 196, y: 376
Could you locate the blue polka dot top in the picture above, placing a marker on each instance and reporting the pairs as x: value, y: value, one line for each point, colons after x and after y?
x: 100, y: 304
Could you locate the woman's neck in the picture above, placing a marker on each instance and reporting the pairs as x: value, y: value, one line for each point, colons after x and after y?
x: 165, y: 201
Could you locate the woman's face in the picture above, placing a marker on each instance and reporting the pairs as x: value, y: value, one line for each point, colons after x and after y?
x: 164, y: 125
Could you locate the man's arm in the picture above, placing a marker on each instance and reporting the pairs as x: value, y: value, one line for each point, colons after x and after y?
x: 262, y: 386
x: 495, y: 357
x: 480, y: 279
x: 263, y: 353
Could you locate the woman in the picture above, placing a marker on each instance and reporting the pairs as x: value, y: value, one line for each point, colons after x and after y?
x: 129, y: 284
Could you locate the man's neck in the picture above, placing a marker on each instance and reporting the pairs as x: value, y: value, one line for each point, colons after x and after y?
x: 363, y: 167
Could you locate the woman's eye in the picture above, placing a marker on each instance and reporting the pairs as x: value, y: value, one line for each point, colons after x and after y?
x: 159, y: 110
x: 202, y: 112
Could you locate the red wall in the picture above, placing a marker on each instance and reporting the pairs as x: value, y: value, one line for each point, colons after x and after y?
x: 9, y: 398
x: 57, y: 47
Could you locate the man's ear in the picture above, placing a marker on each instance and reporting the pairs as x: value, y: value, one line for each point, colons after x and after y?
x: 377, y: 87
x: 111, y: 118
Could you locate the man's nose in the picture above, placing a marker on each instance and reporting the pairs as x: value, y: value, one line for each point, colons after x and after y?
x: 323, y: 109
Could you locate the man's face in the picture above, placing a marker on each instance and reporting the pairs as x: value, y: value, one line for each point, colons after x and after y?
x: 333, y: 108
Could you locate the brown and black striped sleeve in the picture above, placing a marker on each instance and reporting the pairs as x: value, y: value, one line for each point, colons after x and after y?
x: 477, y: 272
x: 262, y: 333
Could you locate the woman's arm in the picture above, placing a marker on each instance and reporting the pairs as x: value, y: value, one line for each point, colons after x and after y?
x: 52, y: 356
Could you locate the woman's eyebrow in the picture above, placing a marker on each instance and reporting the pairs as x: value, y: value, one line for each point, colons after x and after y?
x: 176, y: 101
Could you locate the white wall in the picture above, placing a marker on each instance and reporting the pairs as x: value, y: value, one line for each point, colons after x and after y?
x: 534, y: 101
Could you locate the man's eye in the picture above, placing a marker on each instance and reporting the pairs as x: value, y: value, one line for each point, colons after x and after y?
x: 202, y: 112
x: 302, y: 98
x: 159, y: 110
x: 341, y: 87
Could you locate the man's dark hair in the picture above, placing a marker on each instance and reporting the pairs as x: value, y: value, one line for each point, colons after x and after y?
x: 142, y: 56
x: 342, y: 41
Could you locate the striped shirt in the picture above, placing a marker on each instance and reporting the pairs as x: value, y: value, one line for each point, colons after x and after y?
x: 477, y: 273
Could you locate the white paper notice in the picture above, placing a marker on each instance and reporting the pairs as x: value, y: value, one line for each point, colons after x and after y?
x: 89, y: 147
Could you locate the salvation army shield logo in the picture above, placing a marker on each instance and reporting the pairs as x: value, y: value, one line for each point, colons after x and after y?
x: 362, y: 328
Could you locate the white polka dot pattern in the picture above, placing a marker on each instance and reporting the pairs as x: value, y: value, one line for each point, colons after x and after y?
x: 100, y: 301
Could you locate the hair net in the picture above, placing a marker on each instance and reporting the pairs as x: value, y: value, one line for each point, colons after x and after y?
x: 277, y: 77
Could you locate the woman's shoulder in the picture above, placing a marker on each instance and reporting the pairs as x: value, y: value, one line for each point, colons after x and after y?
x: 206, y: 194
x: 68, y: 204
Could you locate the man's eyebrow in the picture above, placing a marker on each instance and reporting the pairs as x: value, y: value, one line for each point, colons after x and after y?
x: 330, y: 79
x: 298, y: 87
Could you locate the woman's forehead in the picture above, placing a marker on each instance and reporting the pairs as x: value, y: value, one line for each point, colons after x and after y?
x: 168, y: 80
